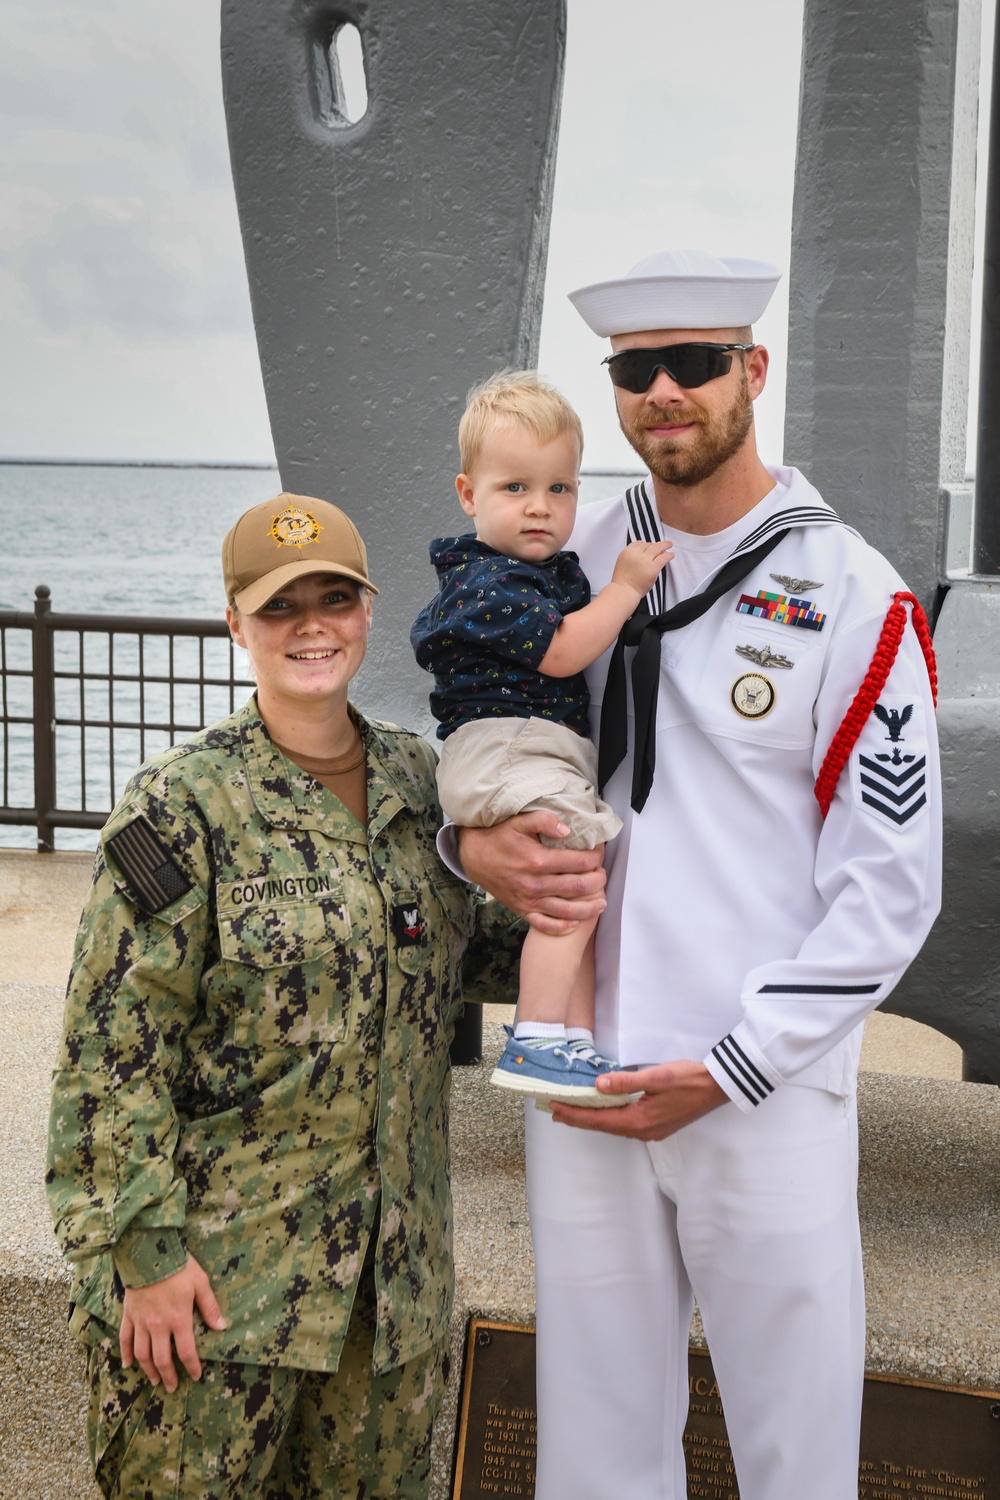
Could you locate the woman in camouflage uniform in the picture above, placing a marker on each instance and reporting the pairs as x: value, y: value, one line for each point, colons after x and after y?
x: 249, y: 1119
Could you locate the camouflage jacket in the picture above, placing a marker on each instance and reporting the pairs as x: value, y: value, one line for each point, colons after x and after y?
x: 254, y: 1061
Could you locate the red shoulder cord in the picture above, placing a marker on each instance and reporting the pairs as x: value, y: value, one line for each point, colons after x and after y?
x: 868, y: 693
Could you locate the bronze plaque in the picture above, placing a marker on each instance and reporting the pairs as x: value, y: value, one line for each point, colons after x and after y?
x: 495, y: 1442
x: 928, y: 1442
x: 918, y: 1442
x: 711, y: 1474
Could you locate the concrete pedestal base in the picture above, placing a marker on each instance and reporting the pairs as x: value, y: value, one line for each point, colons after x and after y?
x: 930, y: 1196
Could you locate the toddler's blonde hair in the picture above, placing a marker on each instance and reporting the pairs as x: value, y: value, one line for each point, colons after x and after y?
x: 514, y: 398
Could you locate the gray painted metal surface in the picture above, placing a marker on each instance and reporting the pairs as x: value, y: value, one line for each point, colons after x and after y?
x: 881, y: 266
x: 392, y: 262
x: 877, y: 393
x: 986, y: 531
x: 955, y: 984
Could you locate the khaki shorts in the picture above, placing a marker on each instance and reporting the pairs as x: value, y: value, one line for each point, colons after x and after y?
x: 493, y: 768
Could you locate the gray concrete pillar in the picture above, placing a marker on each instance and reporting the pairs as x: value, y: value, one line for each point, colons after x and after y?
x: 392, y: 262
x: 986, y: 531
x: 880, y: 318
x: 881, y: 266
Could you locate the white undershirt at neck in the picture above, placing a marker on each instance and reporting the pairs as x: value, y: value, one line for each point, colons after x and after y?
x: 696, y: 558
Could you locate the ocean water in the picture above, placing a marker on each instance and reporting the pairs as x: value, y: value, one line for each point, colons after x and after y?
x: 123, y: 540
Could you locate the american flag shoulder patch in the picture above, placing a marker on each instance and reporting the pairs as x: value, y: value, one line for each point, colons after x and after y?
x: 153, y: 876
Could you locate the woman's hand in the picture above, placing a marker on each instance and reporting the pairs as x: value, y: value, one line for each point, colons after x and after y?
x: 673, y: 1095
x: 159, y: 1319
x: 555, y: 889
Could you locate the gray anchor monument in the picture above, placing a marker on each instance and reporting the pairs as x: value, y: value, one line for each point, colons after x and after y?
x: 395, y: 257
x: 395, y: 260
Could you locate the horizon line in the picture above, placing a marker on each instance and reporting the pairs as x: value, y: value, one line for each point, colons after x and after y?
x: 208, y: 463
x: 137, y: 463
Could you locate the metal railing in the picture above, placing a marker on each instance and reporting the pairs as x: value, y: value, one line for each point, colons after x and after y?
x: 51, y: 665
x: 86, y: 698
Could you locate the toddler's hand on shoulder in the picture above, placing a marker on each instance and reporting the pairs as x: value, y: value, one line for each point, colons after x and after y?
x: 640, y: 564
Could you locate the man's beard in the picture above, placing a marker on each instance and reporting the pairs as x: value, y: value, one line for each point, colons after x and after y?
x: 689, y: 463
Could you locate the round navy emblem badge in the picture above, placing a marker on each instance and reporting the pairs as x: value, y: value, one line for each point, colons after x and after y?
x: 752, y: 695
x: 293, y: 528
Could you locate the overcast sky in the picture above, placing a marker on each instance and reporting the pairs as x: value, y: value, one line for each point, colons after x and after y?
x: 126, y: 321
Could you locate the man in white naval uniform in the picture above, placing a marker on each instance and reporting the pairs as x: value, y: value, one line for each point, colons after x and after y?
x: 745, y: 938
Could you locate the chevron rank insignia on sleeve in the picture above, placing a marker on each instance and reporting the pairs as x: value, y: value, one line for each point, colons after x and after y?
x: 890, y: 762
x: 152, y: 875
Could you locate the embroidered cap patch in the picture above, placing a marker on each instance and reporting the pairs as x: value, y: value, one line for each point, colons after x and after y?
x: 294, y: 527
x: 153, y: 876
x: 782, y: 609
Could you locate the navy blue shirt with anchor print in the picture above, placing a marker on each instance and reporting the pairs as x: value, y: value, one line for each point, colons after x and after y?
x: 488, y: 627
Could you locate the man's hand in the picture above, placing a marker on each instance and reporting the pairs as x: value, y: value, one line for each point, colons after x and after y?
x: 162, y: 1315
x: 674, y: 1094
x: 555, y: 889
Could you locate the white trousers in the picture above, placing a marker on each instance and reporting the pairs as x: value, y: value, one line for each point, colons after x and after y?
x: 756, y: 1216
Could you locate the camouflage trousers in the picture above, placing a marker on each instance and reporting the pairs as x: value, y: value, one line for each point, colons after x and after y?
x: 258, y: 1432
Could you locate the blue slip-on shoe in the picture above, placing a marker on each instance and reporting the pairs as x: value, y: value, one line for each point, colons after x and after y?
x: 548, y: 1069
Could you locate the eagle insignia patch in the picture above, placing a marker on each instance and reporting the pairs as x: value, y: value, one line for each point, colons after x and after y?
x: 408, y: 926
x: 889, y: 763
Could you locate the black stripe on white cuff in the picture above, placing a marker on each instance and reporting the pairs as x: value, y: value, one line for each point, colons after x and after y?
x: 747, y: 1078
x: 820, y: 989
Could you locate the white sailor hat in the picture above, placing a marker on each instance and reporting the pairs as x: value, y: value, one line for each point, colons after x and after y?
x: 679, y: 289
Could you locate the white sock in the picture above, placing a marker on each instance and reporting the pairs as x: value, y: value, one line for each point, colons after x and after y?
x: 581, y: 1038
x: 537, y: 1031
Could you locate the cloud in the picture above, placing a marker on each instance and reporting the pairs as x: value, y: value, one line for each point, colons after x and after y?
x: 116, y: 205
x: 123, y: 296
x: 119, y: 241
x: 132, y: 267
x: 125, y: 82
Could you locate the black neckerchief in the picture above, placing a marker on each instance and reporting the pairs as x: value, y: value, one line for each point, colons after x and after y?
x: 644, y: 630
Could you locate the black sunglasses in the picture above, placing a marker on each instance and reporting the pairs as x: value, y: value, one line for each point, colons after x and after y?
x: 689, y: 365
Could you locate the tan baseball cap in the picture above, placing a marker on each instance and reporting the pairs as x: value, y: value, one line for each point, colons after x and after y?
x: 284, y: 538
